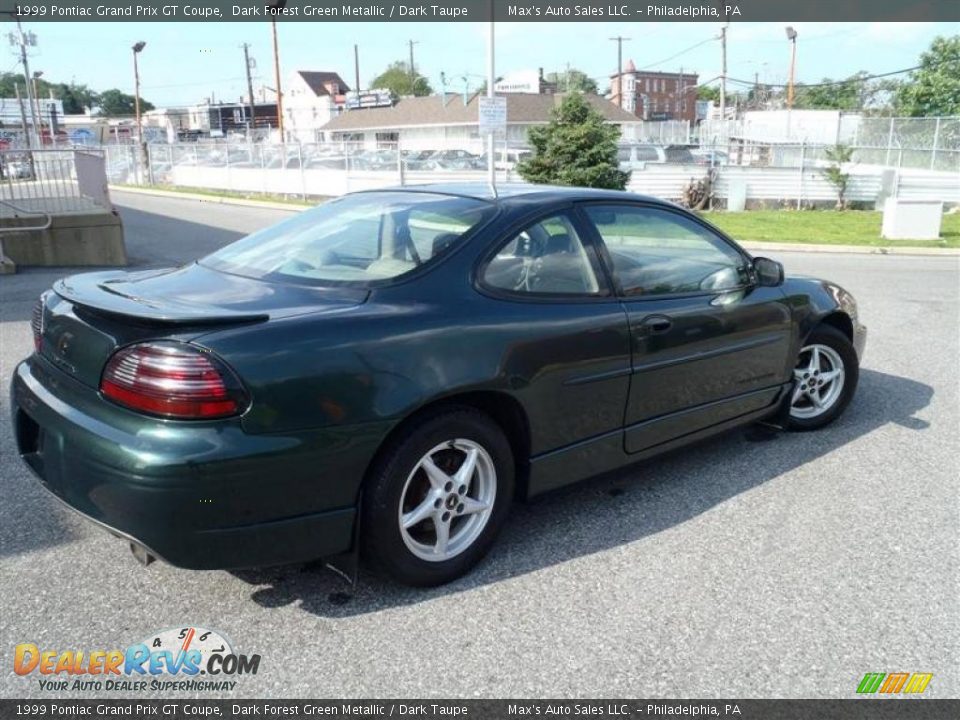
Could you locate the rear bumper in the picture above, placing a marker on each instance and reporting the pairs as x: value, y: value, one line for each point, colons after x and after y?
x: 198, y: 495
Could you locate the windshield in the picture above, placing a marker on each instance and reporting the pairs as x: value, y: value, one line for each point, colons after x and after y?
x: 357, y: 238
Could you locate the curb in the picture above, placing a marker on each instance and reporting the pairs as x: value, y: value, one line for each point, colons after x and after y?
x: 265, y: 204
x: 751, y: 245
x: 759, y: 245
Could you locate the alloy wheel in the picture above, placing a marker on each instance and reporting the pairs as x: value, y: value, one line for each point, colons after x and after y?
x: 818, y: 381
x: 447, y: 500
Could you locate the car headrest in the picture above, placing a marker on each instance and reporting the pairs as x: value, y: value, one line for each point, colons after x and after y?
x: 442, y: 242
x: 560, y: 243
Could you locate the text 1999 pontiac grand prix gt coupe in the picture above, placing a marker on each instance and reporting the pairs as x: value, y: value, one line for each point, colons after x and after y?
x: 399, y: 365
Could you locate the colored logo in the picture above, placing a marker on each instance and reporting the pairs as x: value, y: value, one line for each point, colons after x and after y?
x: 180, y: 652
x: 894, y: 683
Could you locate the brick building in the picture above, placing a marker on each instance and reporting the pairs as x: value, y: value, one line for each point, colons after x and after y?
x: 655, y: 95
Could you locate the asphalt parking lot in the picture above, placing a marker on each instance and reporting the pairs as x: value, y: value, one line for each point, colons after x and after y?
x: 750, y: 566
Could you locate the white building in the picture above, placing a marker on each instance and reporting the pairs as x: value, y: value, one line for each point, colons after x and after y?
x: 445, y: 122
x: 310, y: 100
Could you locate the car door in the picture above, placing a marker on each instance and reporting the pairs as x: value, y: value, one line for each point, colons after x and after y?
x: 708, y: 344
x: 567, y: 356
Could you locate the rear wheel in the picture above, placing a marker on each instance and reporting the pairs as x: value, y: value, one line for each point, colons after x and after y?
x: 437, y: 497
x: 825, y: 379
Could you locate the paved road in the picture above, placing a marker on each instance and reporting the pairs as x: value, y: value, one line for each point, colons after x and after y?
x: 744, y: 567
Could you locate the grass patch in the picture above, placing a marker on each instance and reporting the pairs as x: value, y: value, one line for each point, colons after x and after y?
x: 824, y: 227
x: 233, y: 195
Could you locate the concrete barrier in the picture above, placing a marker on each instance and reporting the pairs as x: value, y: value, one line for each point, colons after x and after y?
x: 94, y: 238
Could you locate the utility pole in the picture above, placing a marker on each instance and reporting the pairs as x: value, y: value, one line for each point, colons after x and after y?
x: 356, y: 72
x: 252, y: 121
x: 23, y: 40
x: 619, y: 41
x: 36, y: 99
x: 276, y: 75
x: 413, y: 72
x: 723, y: 72
x: 23, y: 114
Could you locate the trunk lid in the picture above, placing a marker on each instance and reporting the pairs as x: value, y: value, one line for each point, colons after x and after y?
x: 88, y: 316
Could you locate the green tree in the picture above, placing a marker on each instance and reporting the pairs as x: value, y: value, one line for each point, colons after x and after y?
x: 577, y: 148
x: 76, y: 98
x: 934, y: 88
x: 708, y: 92
x: 838, y: 155
x: 573, y: 80
x: 400, y: 82
x: 115, y: 103
x: 854, y: 93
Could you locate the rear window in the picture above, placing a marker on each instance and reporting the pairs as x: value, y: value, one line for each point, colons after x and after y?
x: 357, y: 239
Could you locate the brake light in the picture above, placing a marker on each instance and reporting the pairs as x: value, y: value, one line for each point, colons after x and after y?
x: 173, y: 380
x: 36, y: 324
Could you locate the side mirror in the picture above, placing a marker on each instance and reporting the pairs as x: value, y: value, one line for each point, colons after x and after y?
x: 769, y: 272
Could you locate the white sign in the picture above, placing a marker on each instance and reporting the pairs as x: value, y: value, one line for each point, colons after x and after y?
x: 493, y: 115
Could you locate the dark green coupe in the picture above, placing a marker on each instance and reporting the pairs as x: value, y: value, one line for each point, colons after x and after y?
x: 391, y: 369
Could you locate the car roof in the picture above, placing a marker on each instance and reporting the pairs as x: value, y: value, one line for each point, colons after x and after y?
x: 521, y: 191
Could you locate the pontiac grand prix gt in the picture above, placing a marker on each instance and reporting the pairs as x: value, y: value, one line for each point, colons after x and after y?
x: 388, y: 371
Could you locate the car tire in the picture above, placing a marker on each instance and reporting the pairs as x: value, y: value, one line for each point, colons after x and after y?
x: 458, y: 511
x: 817, y: 399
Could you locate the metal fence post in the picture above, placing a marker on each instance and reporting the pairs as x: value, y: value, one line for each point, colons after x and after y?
x: 303, y: 177
x: 933, y: 150
x: 889, y: 142
x: 803, y: 148
x: 400, y: 164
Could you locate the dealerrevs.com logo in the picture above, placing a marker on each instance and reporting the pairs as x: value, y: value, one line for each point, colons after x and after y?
x: 894, y: 683
x: 187, y: 659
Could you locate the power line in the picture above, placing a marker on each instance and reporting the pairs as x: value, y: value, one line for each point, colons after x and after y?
x: 682, y: 52
x: 865, y: 78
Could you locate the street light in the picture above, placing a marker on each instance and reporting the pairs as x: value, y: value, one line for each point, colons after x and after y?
x: 137, y: 48
x: 792, y: 37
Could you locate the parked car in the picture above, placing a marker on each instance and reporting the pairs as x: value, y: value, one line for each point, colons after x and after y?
x: 453, y: 160
x: 637, y: 156
x: 711, y: 158
x: 415, y: 159
x: 16, y: 167
x: 398, y: 365
x: 678, y: 154
x: 505, y: 159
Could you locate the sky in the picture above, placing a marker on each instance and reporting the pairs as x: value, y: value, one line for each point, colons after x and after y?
x: 184, y: 63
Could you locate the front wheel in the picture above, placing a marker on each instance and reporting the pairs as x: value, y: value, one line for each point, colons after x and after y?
x: 438, y: 496
x: 825, y: 379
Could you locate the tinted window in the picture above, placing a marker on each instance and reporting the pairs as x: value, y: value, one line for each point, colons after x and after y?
x: 547, y: 258
x: 655, y: 252
x: 358, y: 238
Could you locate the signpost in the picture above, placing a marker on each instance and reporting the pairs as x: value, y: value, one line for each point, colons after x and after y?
x: 493, y: 115
x: 488, y: 115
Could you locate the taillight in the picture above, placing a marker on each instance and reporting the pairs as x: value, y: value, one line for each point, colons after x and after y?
x: 36, y: 324
x: 172, y: 380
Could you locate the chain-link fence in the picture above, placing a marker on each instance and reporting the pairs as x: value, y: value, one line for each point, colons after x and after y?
x: 317, y: 170
x: 918, y: 143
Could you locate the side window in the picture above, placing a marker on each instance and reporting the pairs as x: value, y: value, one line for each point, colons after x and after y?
x: 656, y: 252
x: 547, y: 258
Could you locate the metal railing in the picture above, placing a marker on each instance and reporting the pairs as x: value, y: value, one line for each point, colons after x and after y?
x: 48, y: 181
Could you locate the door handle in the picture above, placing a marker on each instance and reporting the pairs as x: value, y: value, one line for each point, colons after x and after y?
x: 655, y: 325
